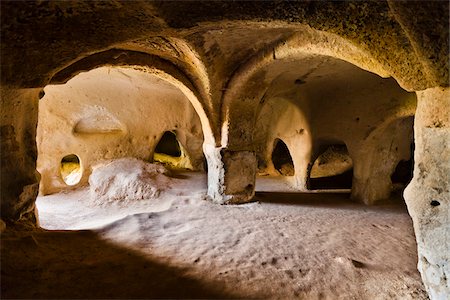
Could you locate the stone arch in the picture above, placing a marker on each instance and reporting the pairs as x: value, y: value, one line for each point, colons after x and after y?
x: 283, y: 70
x: 168, y: 144
x: 98, y: 104
x: 185, y: 151
x: 280, y: 118
x: 250, y: 77
x: 167, y: 71
x: 331, y: 166
x: 148, y: 63
x: 282, y: 158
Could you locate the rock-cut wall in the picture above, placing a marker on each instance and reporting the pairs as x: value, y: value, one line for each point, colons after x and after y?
x: 110, y: 113
x: 221, y: 47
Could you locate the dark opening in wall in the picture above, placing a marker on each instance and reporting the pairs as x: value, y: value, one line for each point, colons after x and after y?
x: 168, y: 144
x: 333, y: 169
x: 71, y: 169
x: 403, y: 173
x: 171, y: 153
x: 282, y: 159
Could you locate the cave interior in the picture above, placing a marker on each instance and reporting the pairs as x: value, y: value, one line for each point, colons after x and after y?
x: 196, y: 149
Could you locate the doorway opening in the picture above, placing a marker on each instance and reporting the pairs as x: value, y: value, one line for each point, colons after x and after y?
x: 168, y: 145
x: 170, y: 152
x: 333, y: 169
x: 282, y: 160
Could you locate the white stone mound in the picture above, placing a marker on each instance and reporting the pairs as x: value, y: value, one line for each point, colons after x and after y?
x: 127, y: 180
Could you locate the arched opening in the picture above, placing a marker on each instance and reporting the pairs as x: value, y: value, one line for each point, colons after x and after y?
x: 70, y: 169
x: 332, y: 169
x: 171, y: 153
x: 282, y: 159
x: 168, y: 145
x: 122, y: 147
x: 345, y: 105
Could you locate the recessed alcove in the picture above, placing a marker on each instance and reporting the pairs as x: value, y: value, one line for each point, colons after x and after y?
x: 169, y: 145
x: 403, y: 172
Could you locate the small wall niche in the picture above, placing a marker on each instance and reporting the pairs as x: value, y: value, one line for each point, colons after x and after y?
x: 70, y: 169
x: 99, y: 123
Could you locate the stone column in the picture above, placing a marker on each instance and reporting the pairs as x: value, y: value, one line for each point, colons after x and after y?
x: 376, y: 159
x: 301, y: 146
x: 231, y: 174
x: 19, y: 178
x: 428, y: 194
x: 371, y: 179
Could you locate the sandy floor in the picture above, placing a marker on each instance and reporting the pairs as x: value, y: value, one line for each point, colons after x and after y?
x: 286, y: 245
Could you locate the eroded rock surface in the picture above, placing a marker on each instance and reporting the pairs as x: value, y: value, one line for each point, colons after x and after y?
x: 428, y: 194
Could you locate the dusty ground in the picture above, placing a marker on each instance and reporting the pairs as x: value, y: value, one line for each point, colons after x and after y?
x: 287, y: 245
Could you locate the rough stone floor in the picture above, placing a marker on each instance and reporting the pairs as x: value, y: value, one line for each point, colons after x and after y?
x: 286, y: 245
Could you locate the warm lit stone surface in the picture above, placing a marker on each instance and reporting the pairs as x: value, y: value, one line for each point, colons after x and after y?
x: 252, y: 72
x: 320, y: 101
x: 428, y: 195
x: 110, y: 113
x: 287, y: 245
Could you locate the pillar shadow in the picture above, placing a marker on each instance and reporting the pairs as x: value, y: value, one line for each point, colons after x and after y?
x: 328, y: 200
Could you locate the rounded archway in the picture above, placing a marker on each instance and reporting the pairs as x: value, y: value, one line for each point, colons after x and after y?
x: 332, y: 169
x: 193, y: 90
x: 336, y: 98
x: 170, y: 152
x: 71, y: 170
x: 114, y: 119
x: 281, y: 158
x: 87, y: 116
x: 168, y: 145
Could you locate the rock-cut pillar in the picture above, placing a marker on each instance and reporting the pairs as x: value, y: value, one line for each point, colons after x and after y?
x: 231, y: 174
x: 19, y: 178
x: 377, y: 158
x: 428, y: 195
